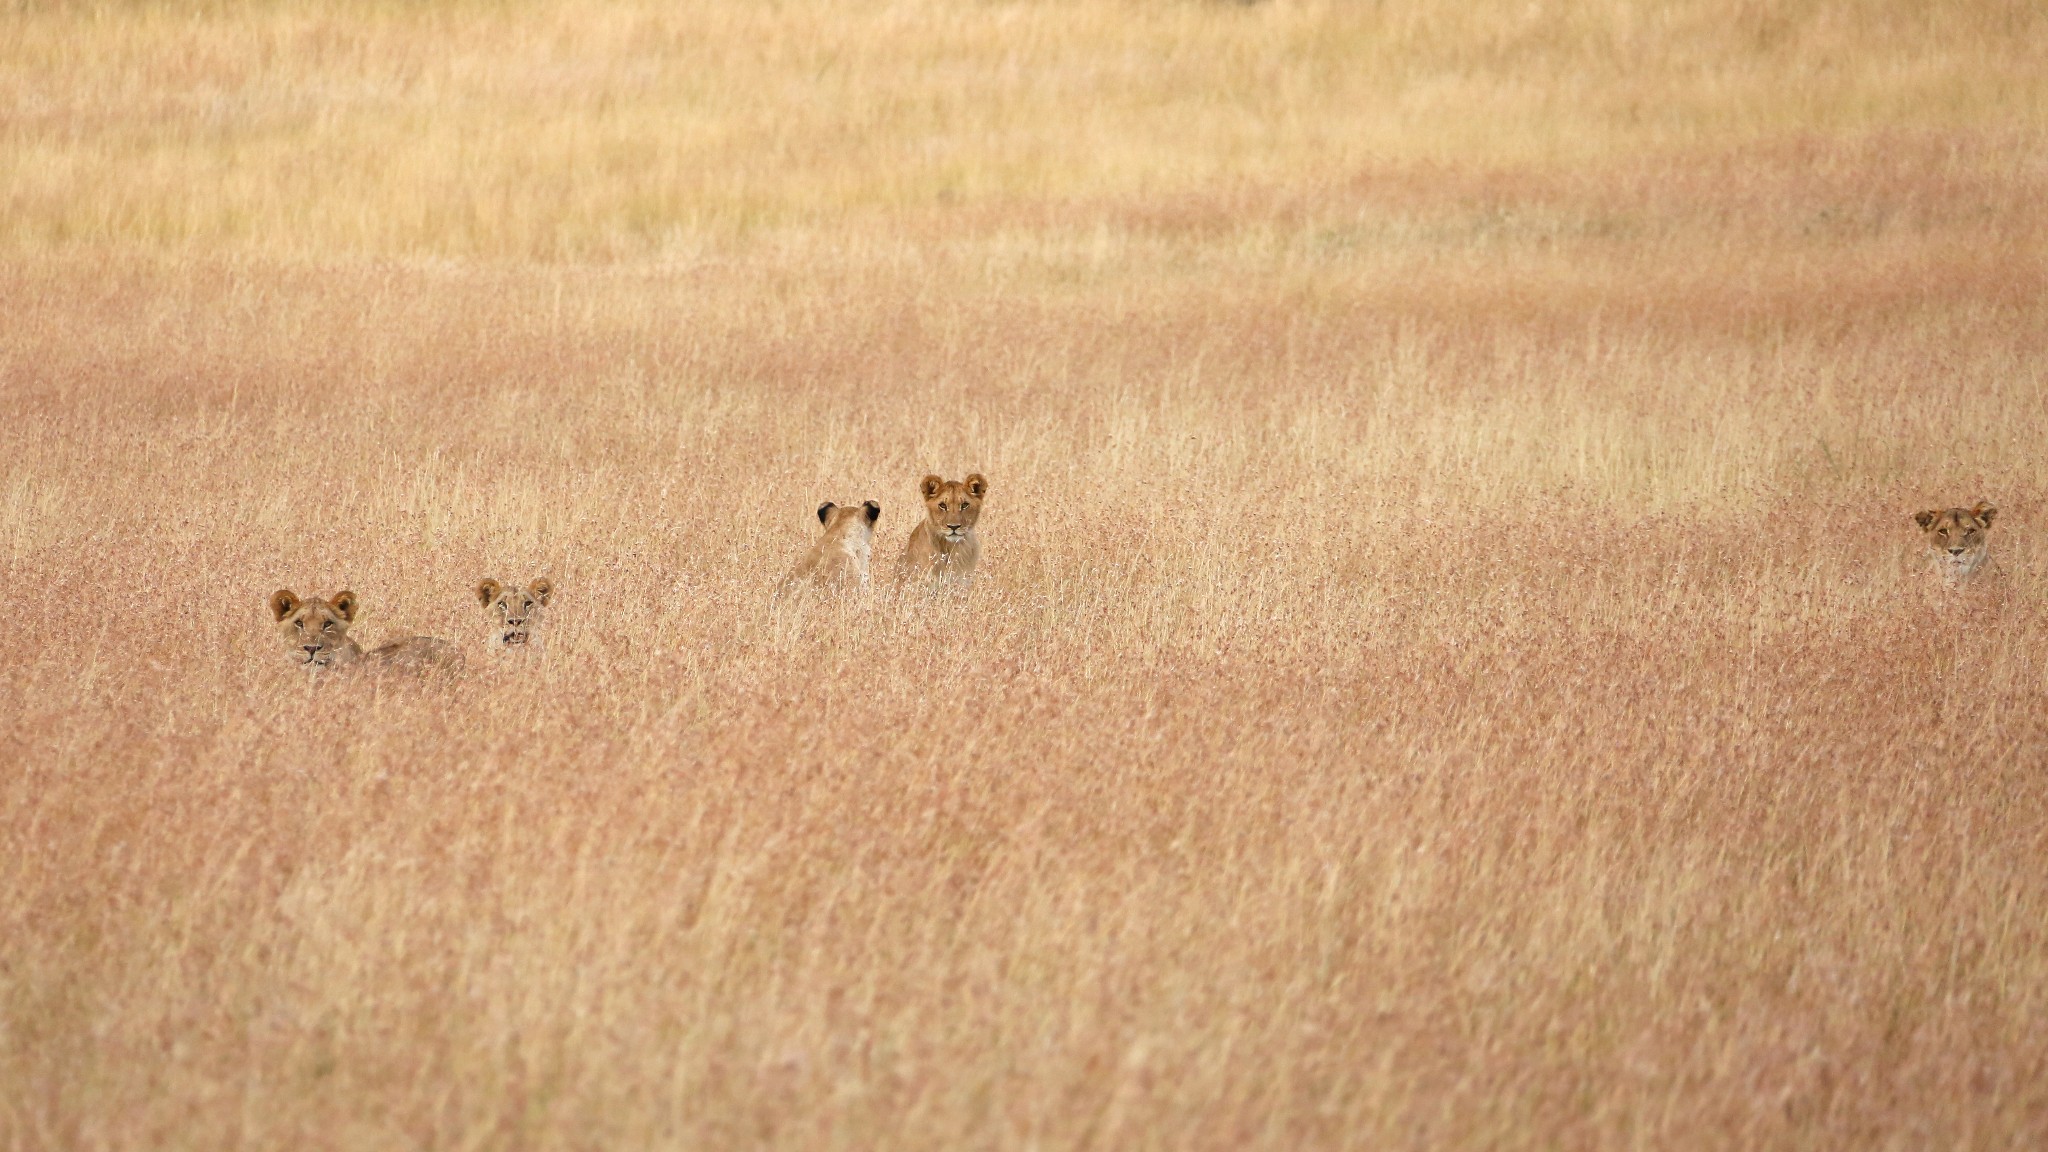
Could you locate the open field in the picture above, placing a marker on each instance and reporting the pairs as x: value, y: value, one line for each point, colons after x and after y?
x: 1453, y: 667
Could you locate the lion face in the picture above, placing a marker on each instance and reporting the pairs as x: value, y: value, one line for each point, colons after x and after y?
x: 315, y: 630
x: 1958, y: 539
x: 512, y: 613
x: 952, y: 506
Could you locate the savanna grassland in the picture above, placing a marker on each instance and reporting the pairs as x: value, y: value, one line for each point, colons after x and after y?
x: 1452, y: 666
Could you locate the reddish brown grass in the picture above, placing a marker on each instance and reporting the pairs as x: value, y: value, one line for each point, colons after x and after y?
x: 1451, y: 667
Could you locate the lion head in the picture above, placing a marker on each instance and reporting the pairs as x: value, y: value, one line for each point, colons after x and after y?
x: 951, y: 507
x: 513, y: 614
x: 841, y: 555
x: 1958, y: 539
x: 315, y: 630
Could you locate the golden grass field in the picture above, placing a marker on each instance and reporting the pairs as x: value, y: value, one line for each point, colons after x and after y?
x: 1452, y: 666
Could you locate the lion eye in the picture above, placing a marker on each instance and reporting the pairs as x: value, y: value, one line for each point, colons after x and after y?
x: 327, y: 627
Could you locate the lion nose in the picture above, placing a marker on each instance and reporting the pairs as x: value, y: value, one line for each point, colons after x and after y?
x: 1955, y: 551
x: 311, y: 648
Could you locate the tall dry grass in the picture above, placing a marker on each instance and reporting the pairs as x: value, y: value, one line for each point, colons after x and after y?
x: 1452, y: 668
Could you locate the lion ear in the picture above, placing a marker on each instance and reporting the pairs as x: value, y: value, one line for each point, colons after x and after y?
x: 345, y: 606
x: 487, y: 591
x: 825, y: 510
x: 930, y: 486
x: 977, y: 487
x: 874, y: 510
x: 542, y: 589
x: 1984, y: 512
x: 283, y: 603
x: 1926, y: 519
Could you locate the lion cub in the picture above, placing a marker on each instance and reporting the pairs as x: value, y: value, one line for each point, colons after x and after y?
x: 514, y: 614
x: 316, y: 632
x: 943, y: 546
x: 1958, y: 540
x: 840, y: 557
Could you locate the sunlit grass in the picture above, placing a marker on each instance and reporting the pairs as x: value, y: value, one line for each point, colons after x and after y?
x: 565, y: 132
x: 1451, y: 666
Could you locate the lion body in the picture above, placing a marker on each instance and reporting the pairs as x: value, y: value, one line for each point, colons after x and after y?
x: 315, y: 632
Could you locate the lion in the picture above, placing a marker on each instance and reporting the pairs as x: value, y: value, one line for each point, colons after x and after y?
x: 513, y: 615
x: 1958, y: 540
x: 943, y: 546
x: 840, y: 557
x: 316, y: 632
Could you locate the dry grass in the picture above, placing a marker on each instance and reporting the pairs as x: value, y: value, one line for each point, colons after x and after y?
x: 1452, y: 669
